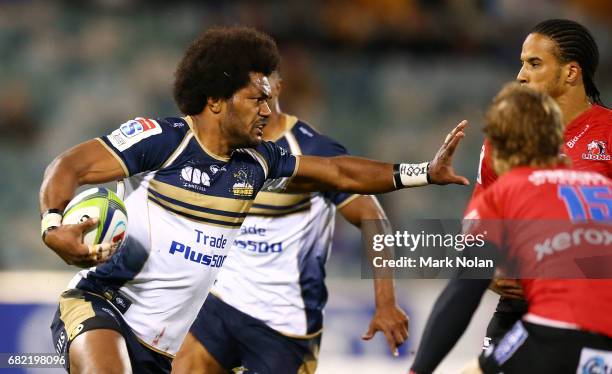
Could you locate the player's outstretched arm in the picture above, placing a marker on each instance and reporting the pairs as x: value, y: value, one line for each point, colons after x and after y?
x: 359, y: 175
x: 86, y: 163
x: 388, y: 317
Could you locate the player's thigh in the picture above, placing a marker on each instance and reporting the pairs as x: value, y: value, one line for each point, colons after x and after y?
x: 99, y: 351
x: 193, y: 357
x: 215, y: 329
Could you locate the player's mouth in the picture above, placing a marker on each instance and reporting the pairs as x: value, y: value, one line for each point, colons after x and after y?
x: 258, y: 127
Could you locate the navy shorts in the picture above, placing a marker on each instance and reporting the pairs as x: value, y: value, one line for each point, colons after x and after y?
x: 81, y: 311
x: 530, y: 348
x: 236, y: 339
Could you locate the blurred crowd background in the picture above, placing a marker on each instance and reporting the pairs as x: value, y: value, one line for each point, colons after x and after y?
x: 387, y: 78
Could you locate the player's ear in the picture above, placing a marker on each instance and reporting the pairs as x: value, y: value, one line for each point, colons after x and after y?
x: 215, y: 105
x: 572, y: 72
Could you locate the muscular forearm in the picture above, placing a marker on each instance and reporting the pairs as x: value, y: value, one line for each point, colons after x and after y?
x: 59, y: 184
x: 359, y: 175
x: 87, y: 163
x: 353, y: 175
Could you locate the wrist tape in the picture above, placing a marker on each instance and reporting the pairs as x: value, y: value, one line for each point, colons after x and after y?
x: 411, y: 175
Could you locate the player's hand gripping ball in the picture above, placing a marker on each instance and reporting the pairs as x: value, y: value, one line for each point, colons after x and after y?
x: 110, y: 210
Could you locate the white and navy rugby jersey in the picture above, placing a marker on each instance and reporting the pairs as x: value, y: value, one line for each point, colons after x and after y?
x: 185, y: 206
x: 276, y: 270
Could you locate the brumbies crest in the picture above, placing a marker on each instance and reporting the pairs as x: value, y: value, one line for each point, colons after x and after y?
x: 242, y: 187
x: 597, y: 150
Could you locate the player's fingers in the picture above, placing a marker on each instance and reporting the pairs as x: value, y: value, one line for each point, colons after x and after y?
x: 398, y: 338
x: 454, y: 131
x: 392, y: 344
x: 88, y: 224
x: 458, y: 179
x: 453, y: 143
x: 101, y: 252
x: 369, y: 334
x: 403, y: 329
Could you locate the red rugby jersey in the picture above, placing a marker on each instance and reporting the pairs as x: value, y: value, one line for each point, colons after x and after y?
x: 542, y: 209
x: 588, y: 143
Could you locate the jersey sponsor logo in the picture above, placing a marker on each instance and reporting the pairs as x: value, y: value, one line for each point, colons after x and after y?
x: 564, y: 240
x: 195, y: 176
x: 305, y: 131
x: 572, y: 142
x: 215, y: 261
x: 134, y: 127
x: 109, y: 312
x: 253, y: 230
x: 242, y: 187
x: 597, y: 151
x: 215, y: 169
x: 132, y: 132
x: 259, y: 247
x: 594, y: 361
x: 275, y: 185
x: 59, y: 345
x: 571, y: 177
x: 510, y: 343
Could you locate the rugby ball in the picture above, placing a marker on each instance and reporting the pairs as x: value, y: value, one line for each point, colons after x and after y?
x: 105, y: 205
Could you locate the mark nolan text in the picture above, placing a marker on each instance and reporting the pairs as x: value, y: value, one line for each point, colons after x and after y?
x: 430, y: 262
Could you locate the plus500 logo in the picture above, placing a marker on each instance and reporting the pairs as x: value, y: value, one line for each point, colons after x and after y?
x: 215, y: 261
x: 259, y: 247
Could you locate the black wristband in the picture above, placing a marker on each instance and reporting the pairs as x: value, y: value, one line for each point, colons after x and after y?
x: 397, y: 179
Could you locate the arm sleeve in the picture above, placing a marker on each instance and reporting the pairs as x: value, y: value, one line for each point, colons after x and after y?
x: 142, y: 144
x: 279, y: 162
x: 454, y: 308
x: 448, y: 320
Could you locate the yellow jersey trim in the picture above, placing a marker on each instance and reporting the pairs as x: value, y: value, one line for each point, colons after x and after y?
x: 346, y: 202
x: 195, y: 198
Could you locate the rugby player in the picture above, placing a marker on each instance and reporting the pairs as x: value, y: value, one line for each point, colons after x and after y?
x: 265, y: 310
x: 567, y: 328
x: 190, y: 182
x: 559, y: 57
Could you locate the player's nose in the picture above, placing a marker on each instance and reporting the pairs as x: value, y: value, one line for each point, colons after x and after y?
x: 264, y: 109
x: 521, y: 77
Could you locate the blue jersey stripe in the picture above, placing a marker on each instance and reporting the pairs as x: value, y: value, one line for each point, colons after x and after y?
x: 277, y: 207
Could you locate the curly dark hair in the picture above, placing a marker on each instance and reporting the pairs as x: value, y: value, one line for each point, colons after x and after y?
x: 218, y: 63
